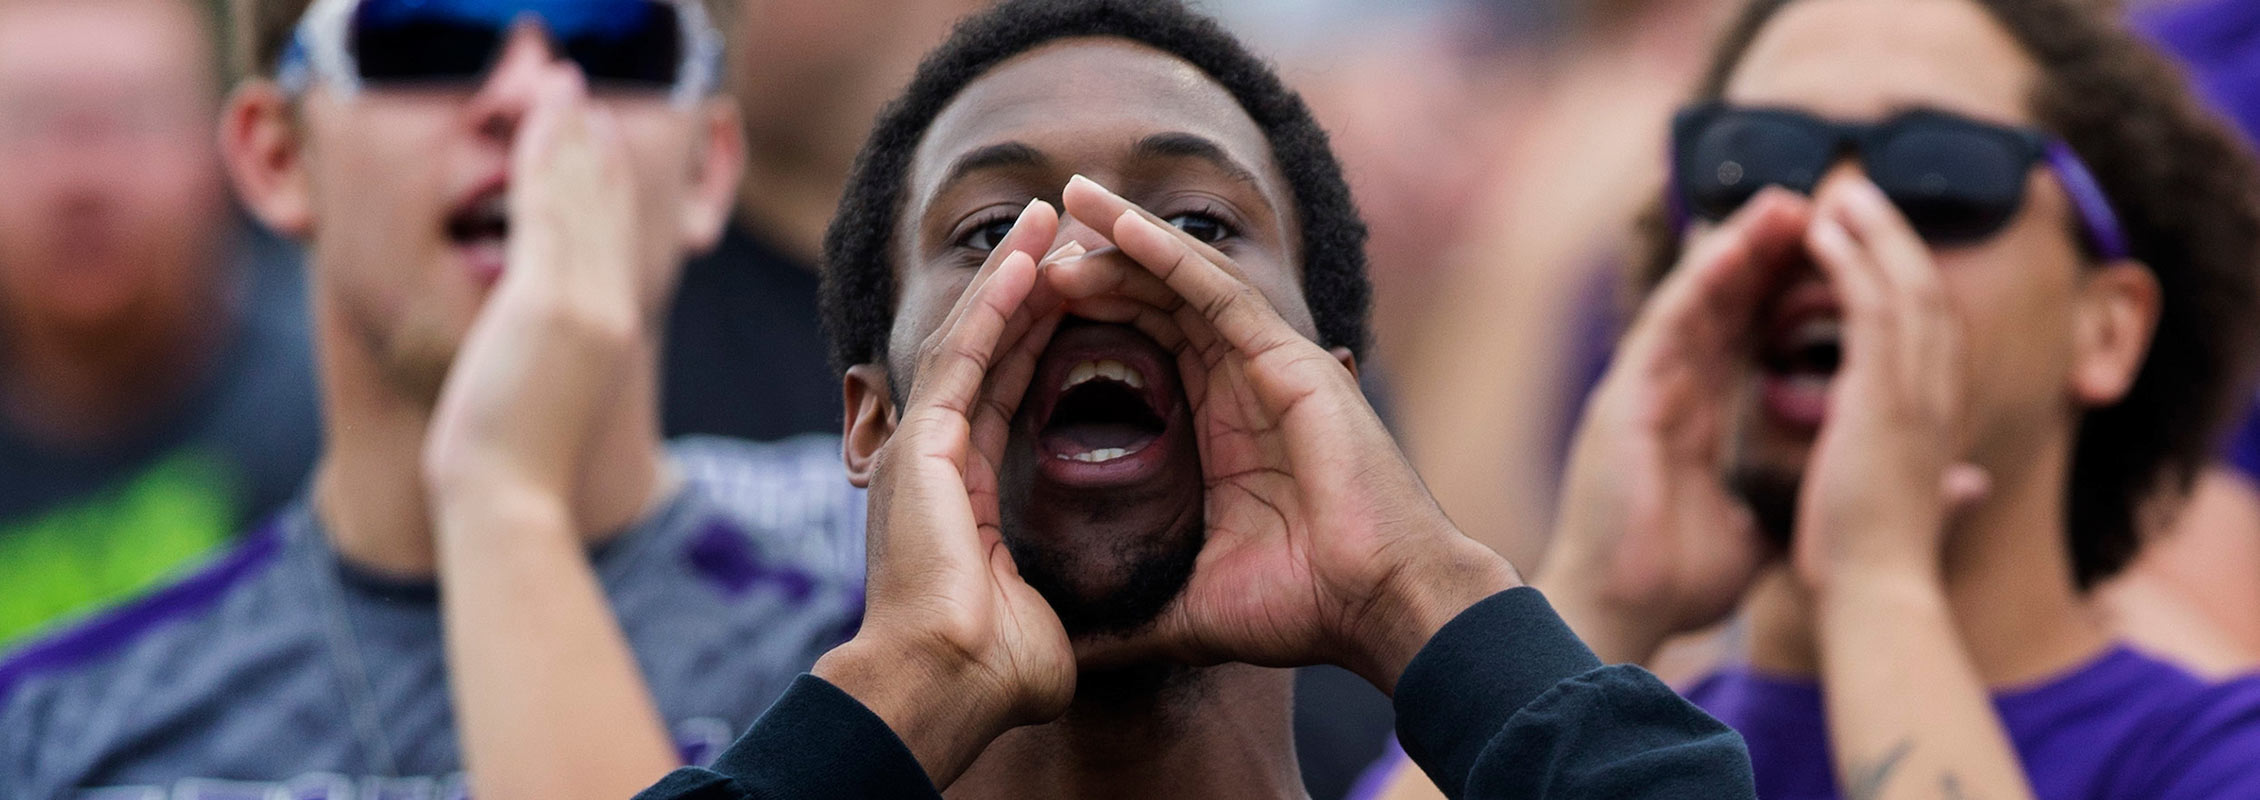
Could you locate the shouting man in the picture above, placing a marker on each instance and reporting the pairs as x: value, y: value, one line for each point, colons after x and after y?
x: 1121, y: 469
x: 496, y: 196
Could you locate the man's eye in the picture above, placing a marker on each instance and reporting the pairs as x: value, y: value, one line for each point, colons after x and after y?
x: 1206, y: 228
x: 987, y: 236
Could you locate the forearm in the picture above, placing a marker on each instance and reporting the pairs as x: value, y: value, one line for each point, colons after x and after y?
x: 1615, y: 634
x: 1908, y: 715
x: 1505, y: 702
x: 548, y: 698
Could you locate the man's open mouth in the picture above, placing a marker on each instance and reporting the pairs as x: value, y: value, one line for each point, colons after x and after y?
x: 1799, y: 356
x: 1102, y: 405
x: 480, y: 229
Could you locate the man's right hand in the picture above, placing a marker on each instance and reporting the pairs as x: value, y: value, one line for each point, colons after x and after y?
x: 1650, y: 541
x: 955, y: 648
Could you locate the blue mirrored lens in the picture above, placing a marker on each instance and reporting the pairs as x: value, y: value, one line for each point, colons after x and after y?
x: 636, y: 42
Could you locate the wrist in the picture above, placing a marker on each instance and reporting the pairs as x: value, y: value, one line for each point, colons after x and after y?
x: 496, y: 511
x: 1416, y: 602
x: 938, y: 707
x: 1617, y: 632
x: 1868, y: 590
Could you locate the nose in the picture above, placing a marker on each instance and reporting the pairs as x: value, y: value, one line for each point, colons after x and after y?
x: 1844, y: 169
x: 1075, y: 230
x: 501, y: 103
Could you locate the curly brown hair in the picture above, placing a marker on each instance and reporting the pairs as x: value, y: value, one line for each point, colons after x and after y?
x: 262, y: 29
x: 2186, y: 189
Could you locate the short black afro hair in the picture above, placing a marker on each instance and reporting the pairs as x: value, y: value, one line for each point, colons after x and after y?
x: 859, y: 279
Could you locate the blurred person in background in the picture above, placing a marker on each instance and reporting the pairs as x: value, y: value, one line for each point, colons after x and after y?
x: 1908, y: 413
x: 496, y: 197
x: 156, y: 389
x: 2194, y: 594
x: 1493, y: 368
x: 745, y: 353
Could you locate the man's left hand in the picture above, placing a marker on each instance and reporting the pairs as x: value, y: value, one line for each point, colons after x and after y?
x: 1323, y: 545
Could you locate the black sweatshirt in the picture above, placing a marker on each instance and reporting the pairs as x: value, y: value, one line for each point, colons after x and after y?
x: 1504, y: 703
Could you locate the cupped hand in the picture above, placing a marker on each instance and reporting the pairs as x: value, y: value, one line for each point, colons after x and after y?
x: 1883, y: 478
x: 955, y: 648
x: 540, y: 362
x: 1323, y: 545
x: 1650, y: 540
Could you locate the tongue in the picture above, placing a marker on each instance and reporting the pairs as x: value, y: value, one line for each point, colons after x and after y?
x: 1085, y: 437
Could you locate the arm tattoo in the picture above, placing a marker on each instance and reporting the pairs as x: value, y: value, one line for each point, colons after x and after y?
x: 1867, y: 780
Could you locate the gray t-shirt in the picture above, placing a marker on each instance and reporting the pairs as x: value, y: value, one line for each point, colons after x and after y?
x: 278, y: 671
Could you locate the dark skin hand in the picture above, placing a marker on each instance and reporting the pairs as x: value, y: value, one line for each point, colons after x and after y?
x: 1323, y: 545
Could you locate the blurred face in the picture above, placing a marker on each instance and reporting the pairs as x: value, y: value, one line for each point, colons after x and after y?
x: 1101, y: 487
x: 112, y: 186
x: 405, y: 201
x: 2014, y: 293
x: 805, y: 68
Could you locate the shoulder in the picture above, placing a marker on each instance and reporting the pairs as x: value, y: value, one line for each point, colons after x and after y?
x: 162, y: 614
x: 2196, y: 740
x: 73, y: 697
x: 791, y: 498
x: 2210, y: 743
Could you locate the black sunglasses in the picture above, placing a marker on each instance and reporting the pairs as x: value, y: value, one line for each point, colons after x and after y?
x: 1957, y: 180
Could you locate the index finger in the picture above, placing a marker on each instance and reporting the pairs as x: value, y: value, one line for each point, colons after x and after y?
x: 1034, y: 230
x: 1721, y: 278
x: 954, y: 366
x: 1191, y: 268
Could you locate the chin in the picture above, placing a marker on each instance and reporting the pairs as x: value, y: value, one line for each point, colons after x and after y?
x: 416, y: 362
x: 1104, y: 579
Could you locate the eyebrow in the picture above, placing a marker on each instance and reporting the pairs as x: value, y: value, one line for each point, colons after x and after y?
x: 995, y: 156
x: 1186, y: 145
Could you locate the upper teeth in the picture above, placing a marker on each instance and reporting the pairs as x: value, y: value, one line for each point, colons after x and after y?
x: 1818, y: 331
x: 1099, y: 456
x: 1112, y: 370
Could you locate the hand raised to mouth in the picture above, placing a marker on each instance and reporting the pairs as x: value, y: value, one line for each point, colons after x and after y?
x: 945, y: 601
x: 1649, y: 541
x: 1323, y: 545
x: 509, y: 440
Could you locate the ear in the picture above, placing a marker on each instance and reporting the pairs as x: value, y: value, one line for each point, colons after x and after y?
x: 2113, y: 325
x: 716, y: 170
x: 871, y: 418
x: 261, y: 142
x: 1349, y: 360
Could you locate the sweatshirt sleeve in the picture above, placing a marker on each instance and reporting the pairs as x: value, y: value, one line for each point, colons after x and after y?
x: 816, y: 741
x: 1505, y: 702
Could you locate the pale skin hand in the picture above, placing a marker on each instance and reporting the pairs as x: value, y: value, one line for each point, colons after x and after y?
x: 1650, y: 541
x: 1909, y: 717
x: 955, y: 648
x: 549, y: 701
x: 1323, y: 545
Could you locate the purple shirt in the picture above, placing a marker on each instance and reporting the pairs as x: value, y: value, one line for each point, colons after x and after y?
x: 2125, y: 726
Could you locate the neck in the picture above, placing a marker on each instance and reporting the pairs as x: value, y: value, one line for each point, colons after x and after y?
x: 2009, y: 582
x: 91, y: 385
x: 1221, y: 732
x: 789, y: 198
x: 369, y: 487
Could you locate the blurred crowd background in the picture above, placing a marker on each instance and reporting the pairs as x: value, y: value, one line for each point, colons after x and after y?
x: 157, y: 392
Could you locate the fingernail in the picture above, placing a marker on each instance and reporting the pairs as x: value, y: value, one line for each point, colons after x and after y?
x: 1865, y: 193
x: 1031, y: 209
x: 1087, y: 181
x: 1067, y: 252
